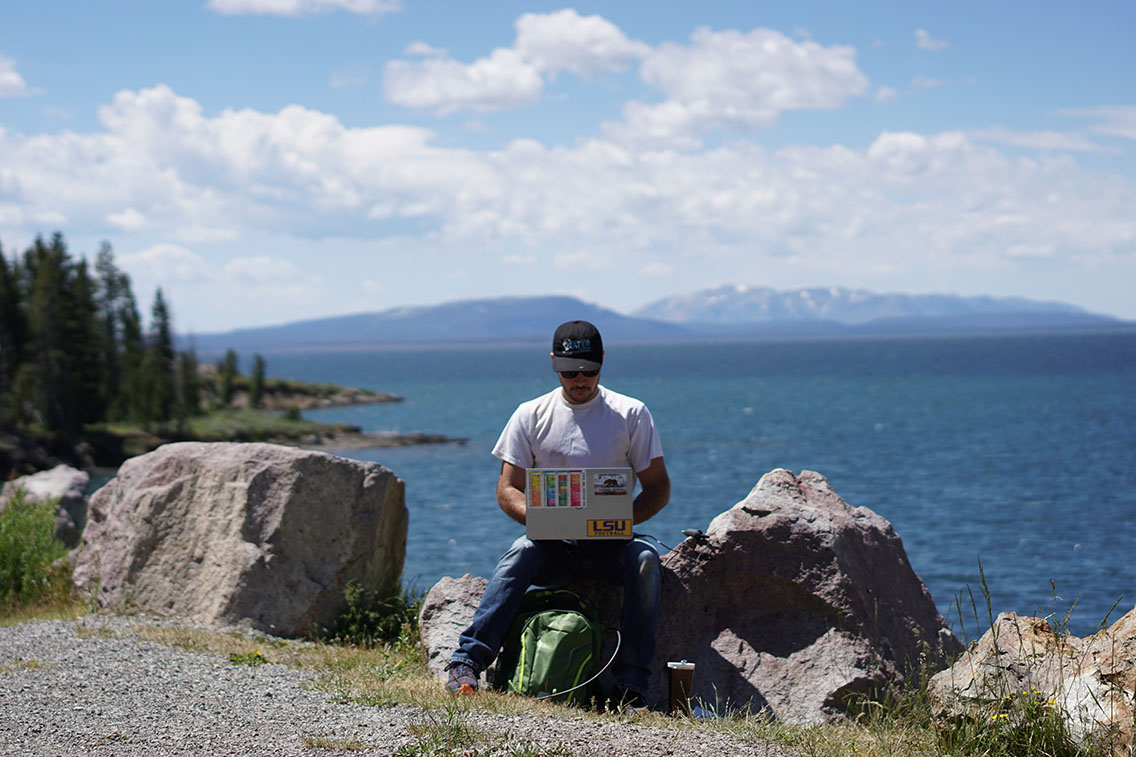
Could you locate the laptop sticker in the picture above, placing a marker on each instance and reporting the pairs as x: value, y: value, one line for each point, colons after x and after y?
x: 609, y: 483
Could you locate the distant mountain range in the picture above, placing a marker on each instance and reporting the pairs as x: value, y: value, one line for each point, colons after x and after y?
x: 733, y: 312
x: 742, y: 304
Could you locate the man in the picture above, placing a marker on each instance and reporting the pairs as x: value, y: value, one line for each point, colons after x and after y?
x: 579, y: 424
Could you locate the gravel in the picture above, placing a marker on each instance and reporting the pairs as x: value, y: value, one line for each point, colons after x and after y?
x: 92, y: 687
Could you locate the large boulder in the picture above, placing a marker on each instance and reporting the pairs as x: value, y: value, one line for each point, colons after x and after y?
x: 791, y: 602
x: 446, y: 611
x: 1020, y: 668
x: 63, y: 483
x: 249, y: 534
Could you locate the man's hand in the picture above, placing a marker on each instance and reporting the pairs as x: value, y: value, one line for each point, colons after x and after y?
x: 511, y: 491
x: 656, y: 490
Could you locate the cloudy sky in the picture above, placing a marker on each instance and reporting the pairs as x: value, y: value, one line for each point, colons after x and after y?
x: 266, y: 161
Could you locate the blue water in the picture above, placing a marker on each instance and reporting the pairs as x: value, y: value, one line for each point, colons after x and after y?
x: 1019, y: 452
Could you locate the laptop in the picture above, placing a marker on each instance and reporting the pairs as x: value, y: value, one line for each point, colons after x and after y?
x: 579, y: 503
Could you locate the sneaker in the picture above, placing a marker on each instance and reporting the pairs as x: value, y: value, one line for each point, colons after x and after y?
x: 630, y: 703
x: 463, y: 678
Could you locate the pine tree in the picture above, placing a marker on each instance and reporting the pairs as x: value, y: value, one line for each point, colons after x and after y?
x: 112, y: 295
x: 45, y: 381
x: 189, y: 385
x: 129, y: 403
x: 256, y: 391
x: 226, y: 374
x: 160, y: 364
x: 86, y: 352
x: 12, y: 335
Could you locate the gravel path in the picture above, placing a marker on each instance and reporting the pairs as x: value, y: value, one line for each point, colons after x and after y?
x: 91, y: 687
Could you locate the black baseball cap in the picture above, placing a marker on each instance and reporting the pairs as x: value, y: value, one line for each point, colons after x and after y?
x: 577, y: 346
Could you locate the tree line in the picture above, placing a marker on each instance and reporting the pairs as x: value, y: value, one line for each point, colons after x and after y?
x: 73, y: 349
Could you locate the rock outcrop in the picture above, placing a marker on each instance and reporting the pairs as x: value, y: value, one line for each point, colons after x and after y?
x: 248, y: 534
x: 794, y: 601
x: 64, y: 483
x: 1020, y: 667
x: 791, y: 602
x: 446, y: 612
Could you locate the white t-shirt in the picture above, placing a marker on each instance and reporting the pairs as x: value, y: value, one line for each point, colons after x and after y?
x: 611, y: 429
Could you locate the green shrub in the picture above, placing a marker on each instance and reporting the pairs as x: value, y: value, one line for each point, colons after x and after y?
x: 369, y: 619
x: 28, y: 548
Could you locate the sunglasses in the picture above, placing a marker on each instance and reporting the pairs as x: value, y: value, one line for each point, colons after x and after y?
x: 573, y: 374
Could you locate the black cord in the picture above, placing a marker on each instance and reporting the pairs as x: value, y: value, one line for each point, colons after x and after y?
x: 694, y: 533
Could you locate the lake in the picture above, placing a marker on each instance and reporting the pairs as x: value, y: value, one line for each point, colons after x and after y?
x: 1016, y: 451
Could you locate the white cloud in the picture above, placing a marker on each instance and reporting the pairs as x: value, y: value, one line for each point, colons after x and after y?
x: 886, y: 95
x: 502, y: 80
x: 567, y: 41
x: 935, y: 202
x: 198, y: 233
x: 261, y: 270
x: 166, y: 263
x: 545, y: 45
x: 302, y: 7
x: 583, y: 260
x: 739, y: 81
x: 1115, y: 120
x: 253, y: 286
x: 50, y: 219
x: 727, y: 79
x: 425, y: 50
x: 925, y: 41
x: 11, y: 83
x: 1036, y: 140
x: 127, y: 220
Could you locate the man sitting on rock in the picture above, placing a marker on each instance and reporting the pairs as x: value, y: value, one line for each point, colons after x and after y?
x: 580, y: 424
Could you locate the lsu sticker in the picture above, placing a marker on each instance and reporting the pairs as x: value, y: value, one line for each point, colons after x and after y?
x: 610, y: 527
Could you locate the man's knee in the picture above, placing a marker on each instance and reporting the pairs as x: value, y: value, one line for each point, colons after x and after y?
x: 649, y: 563
x: 644, y: 567
x: 650, y: 568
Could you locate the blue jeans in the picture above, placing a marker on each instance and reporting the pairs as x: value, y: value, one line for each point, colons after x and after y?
x: 633, y: 564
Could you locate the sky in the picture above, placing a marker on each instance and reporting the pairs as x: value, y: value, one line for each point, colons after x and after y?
x: 267, y: 161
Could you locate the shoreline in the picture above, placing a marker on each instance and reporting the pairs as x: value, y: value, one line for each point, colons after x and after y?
x: 356, y: 440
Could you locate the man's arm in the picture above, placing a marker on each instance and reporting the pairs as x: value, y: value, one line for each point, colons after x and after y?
x: 511, y: 491
x: 654, y: 496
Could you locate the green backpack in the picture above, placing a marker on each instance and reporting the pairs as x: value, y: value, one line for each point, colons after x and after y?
x: 552, y: 646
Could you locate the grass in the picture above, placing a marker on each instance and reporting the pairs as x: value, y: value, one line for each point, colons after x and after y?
x: 29, y: 572
x: 248, y: 425
x: 229, y: 424
x: 114, y: 442
x: 394, y: 672
x: 372, y: 657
